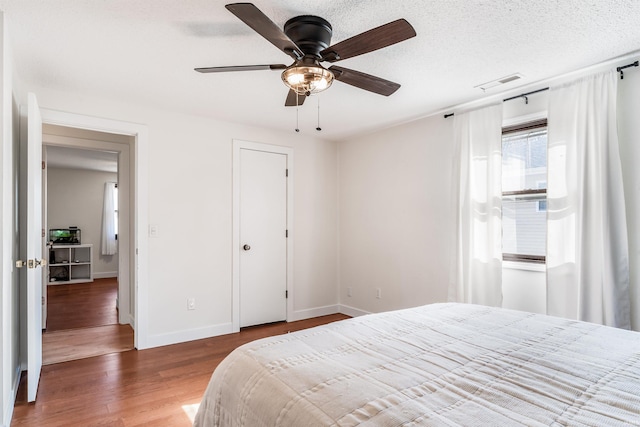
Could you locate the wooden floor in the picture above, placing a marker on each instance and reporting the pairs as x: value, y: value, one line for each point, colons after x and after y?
x: 74, y: 344
x: 82, y: 322
x: 82, y: 305
x: 155, y: 387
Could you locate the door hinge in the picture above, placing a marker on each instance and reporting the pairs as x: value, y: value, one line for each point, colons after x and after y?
x: 43, y: 165
x: 286, y: 172
x: 43, y: 234
x: 286, y: 233
x: 42, y: 300
x: 286, y: 294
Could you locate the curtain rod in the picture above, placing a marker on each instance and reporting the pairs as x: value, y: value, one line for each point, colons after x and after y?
x: 522, y: 95
x: 619, y: 69
x: 525, y: 95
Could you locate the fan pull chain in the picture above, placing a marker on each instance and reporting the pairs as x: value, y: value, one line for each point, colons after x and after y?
x: 318, y: 128
x: 297, y: 110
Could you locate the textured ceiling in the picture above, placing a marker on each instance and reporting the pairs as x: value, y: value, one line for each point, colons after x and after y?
x: 144, y: 52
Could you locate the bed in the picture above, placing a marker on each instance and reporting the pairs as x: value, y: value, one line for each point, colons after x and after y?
x: 439, y: 364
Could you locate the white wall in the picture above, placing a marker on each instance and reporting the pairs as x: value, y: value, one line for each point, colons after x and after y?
x: 75, y: 198
x: 523, y: 288
x: 396, y: 217
x: 395, y: 210
x: 189, y: 198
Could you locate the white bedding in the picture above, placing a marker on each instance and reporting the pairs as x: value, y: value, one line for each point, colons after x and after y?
x: 440, y: 364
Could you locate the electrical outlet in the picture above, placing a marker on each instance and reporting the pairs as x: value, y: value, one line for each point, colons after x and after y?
x: 191, y: 303
x: 349, y: 291
x: 153, y: 230
x: 378, y: 293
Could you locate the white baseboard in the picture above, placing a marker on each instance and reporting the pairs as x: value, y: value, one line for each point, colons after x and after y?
x: 105, y: 275
x: 351, y: 311
x: 326, y: 310
x: 188, y: 335
x: 313, y: 312
x: 227, y: 328
x: 8, y: 409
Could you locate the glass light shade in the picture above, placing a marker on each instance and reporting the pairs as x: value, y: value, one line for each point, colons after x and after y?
x: 307, y: 79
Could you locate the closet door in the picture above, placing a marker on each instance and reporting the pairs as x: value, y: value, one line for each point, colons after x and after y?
x: 263, y: 237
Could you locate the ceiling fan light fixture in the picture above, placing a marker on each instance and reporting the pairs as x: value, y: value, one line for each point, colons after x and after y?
x: 307, y: 79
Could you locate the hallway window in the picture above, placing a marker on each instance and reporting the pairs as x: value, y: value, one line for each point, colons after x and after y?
x: 115, y: 210
x: 110, y: 219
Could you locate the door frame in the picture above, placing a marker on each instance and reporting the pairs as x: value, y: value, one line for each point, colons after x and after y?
x: 235, y: 249
x: 139, y: 239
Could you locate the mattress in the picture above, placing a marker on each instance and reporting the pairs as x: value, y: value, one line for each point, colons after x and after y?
x: 439, y: 364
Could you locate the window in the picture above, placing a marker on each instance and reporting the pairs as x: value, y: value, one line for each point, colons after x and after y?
x: 524, y: 192
x: 115, y: 210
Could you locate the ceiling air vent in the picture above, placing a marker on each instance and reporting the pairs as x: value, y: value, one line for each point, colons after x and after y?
x: 500, y: 81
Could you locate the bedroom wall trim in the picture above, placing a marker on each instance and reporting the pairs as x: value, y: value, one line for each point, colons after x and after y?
x: 189, y: 335
x: 351, y: 311
x: 314, y: 312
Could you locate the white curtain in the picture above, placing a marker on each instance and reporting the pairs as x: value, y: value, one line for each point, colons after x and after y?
x: 476, y: 275
x: 109, y: 243
x: 587, y: 251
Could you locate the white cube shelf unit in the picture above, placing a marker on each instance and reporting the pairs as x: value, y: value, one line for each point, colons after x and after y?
x: 70, y: 264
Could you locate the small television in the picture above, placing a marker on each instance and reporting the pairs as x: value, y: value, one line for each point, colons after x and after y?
x: 64, y: 236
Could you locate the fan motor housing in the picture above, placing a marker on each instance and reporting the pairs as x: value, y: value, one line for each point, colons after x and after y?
x: 311, y: 34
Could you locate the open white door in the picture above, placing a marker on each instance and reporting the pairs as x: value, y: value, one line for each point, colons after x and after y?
x: 34, y: 247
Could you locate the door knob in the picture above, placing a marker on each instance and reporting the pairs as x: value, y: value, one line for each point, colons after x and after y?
x: 246, y: 247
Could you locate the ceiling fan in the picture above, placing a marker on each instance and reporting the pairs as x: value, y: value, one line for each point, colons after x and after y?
x: 306, y: 39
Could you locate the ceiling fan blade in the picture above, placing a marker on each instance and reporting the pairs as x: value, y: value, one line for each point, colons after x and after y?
x: 374, y: 39
x: 293, y: 99
x: 240, y: 68
x: 253, y: 17
x: 364, y: 81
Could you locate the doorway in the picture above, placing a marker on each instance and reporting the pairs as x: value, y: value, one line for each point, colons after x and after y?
x: 136, y: 251
x: 84, y: 287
